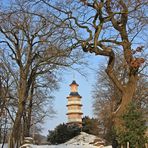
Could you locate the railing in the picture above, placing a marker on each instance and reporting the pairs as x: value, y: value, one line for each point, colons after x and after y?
x: 74, y: 120
x: 74, y: 111
x: 74, y: 102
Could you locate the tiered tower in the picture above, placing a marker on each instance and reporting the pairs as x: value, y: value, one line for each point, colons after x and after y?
x: 74, y: 105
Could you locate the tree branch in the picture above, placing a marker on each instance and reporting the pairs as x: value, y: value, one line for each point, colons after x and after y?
x: 107, y: 51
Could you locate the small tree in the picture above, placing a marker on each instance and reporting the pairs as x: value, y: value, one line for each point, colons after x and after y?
x: 63, y: 133
x: 134, y: 127
x: 90, y: 125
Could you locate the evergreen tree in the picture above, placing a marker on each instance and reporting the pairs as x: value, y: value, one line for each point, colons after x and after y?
x: 134, y: 127
x: 63, y: 133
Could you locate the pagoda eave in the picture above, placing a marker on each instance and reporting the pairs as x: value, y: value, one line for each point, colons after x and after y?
x: 74, y: 105
x: 74, y: 96
x: 74, y: 113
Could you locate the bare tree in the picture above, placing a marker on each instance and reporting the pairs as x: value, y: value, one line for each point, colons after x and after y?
x: 107, y: 97
x: 39, y: 104
x: 104, y: 26
x: 35, y: 47
x: 5, y: 94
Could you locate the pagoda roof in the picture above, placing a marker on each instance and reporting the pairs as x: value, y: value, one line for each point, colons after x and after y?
x: 75, y: 94
x: 74, y: 83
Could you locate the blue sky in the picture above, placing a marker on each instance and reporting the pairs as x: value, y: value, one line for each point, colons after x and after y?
x: 84, y: 89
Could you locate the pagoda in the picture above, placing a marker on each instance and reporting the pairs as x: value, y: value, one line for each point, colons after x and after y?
x: 74, y: 105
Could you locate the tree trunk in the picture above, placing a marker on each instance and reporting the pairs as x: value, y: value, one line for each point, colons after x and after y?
x: 27, y: 125
x: 127, y: 97
x: 29, y: 121
x: 15, y: 136
x: 29, y: 112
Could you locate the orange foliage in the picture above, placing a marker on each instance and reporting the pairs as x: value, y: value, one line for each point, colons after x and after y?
x: 136, y: 62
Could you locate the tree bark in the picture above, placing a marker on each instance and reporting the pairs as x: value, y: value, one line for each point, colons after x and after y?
x: 15, y: 136
x: 29, y: 111
x: 127, y: 97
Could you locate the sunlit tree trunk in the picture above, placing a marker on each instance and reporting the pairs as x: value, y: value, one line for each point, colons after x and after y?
x: 127, y: 96
x: 28, y: 117
x: 16, y: 129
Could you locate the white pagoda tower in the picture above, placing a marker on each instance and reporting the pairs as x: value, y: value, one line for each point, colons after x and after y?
x: 74, y: 106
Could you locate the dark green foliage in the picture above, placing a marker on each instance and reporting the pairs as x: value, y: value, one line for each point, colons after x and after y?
x: 90, y: 126
x: 63, y: 133
x: 134, y: 127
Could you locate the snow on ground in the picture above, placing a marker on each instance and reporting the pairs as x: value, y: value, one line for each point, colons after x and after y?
x: 62, y: 146
x: 65, y: 146
x: 83, y: 140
